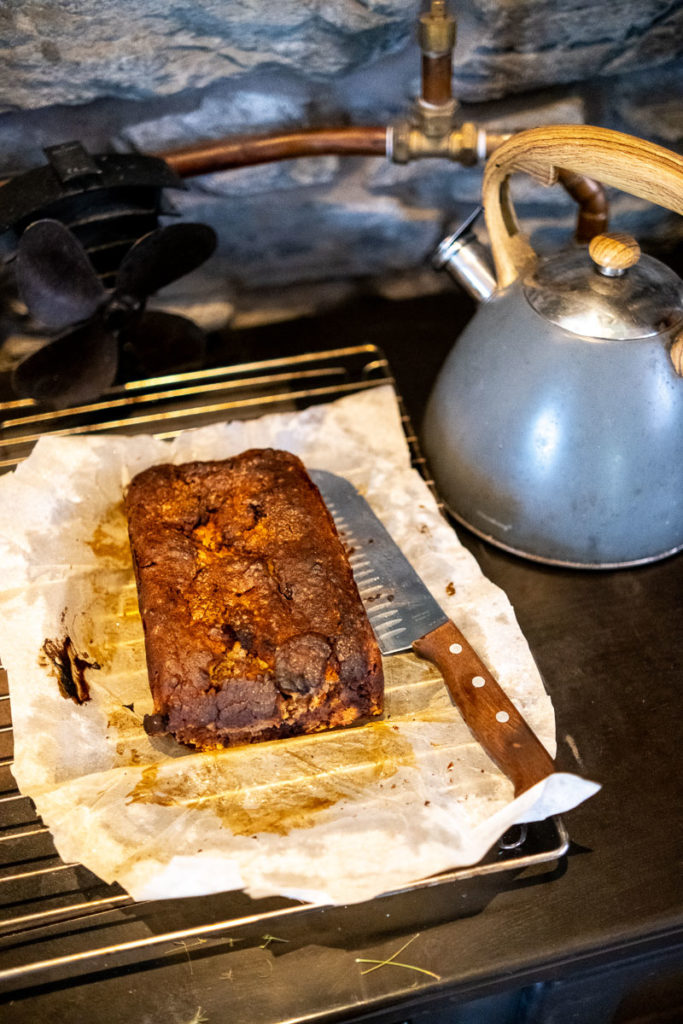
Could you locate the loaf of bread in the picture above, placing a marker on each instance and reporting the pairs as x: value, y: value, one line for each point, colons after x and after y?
x: 254, y: 629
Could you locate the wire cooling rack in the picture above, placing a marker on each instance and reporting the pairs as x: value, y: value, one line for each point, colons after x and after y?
x: 60, y: 921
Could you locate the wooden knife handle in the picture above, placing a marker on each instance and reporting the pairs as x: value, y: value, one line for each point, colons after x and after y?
x: 488, y: 712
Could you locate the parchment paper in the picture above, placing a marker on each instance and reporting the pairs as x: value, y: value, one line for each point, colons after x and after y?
x: 338, y: 817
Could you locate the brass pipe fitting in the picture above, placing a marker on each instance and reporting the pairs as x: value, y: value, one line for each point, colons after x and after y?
x: 436, y: 36
x: 466, y: 144
x: 436, y: 31
x: 435, y: 109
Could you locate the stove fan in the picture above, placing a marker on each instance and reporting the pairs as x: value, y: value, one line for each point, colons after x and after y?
x: 83, y: 239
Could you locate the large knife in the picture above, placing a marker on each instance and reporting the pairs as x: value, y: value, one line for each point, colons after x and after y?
x: 404, y: 615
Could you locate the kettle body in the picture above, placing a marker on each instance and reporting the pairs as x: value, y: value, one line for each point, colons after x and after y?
x: 555, y: 426
x: 562, y: 448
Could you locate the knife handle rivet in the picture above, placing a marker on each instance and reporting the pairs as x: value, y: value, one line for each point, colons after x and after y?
x: 455, y: 648
x: 478, y: 681
x: 502, y: 716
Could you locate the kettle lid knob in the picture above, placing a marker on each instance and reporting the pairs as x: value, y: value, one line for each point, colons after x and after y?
x: 614, y: 253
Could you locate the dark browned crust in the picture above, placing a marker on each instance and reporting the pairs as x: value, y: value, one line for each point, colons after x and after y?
x: 254, y: 628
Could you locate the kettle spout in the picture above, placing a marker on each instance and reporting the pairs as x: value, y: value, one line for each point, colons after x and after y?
x: 467, y: 261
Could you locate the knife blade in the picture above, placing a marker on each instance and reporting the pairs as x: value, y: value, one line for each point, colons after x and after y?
x: 404, y: 615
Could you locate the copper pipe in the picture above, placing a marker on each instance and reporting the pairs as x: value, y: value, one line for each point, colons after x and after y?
x: 357, y: 141
x: 436, y: 78
x: 260, y: 149
x: 592, y: 201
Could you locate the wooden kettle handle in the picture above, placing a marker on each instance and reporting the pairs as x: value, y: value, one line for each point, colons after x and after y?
x: 633, y: 165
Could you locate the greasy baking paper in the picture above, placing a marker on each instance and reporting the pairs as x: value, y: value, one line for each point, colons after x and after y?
x: 337, y: 817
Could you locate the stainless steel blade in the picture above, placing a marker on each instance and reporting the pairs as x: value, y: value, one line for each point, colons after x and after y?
x: 398, y: 604
x: 404, y: 615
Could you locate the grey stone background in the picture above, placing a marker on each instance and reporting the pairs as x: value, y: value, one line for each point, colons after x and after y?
x: 145, y: 75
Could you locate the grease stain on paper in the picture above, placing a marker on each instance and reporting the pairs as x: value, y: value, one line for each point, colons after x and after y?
x: 281, y: 786
x: 109, y: 619
x: 129, y: 731
x: 104, y: 620
x: 68, y: 667
x: 101, y: 629
x: 110, y: 537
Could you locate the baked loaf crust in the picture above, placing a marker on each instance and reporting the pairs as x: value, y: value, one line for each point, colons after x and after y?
x: 254, y: 628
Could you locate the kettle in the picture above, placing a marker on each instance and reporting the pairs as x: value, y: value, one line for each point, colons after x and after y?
x: 555, y: 425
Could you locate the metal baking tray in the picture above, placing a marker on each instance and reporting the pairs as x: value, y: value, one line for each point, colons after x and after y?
x: 58, y: 920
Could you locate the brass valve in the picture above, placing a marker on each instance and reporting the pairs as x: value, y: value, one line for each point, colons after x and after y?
x: 464, y: 144
x: 432, y: 129
x: 437, y: 31
x: 435, y: 109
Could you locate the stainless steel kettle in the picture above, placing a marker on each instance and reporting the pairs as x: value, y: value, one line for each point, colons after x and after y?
x: 555, y: 427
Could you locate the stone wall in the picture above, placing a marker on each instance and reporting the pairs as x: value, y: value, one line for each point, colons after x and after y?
x: 145, y: 75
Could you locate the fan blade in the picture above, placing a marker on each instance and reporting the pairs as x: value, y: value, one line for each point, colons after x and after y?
x: 73, y: 368
x: 160, y: 343
x: 55, y: 277
x: 162, y: 257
